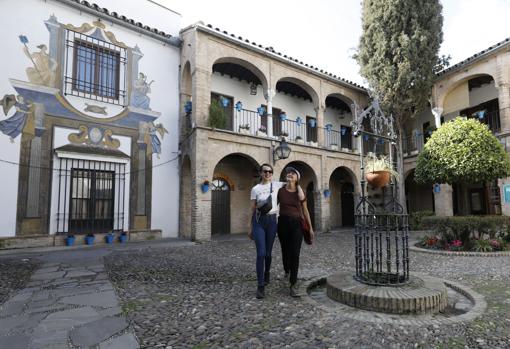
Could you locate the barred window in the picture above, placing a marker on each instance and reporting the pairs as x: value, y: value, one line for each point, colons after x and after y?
x: 95, y: 69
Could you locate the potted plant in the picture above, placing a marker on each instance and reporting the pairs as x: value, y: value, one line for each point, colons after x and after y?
x: 327, y: 193
x: 334, y: 146
x: 109, y: 238
x: 217, y: 115
x: 378, y: 171
x: 262, y: 131
x: 283, y: 116
x: 312, y: 123
x: 329, y: 127
x: 70, y: 240
x: 299, y: 139
x: 314, y: 144
x: 299, y: 121
x: 284, y: 134
x: 205, y: 186
x: 89, y: 239
x: 123, y: 237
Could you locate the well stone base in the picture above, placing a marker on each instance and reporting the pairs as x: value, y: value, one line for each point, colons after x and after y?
x: 422, y: 295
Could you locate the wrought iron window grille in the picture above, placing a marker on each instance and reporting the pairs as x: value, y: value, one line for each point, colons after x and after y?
x: 90, y: 196
x: 94, y: 69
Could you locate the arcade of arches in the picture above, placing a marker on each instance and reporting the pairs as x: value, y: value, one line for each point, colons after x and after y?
x: 229, y: 195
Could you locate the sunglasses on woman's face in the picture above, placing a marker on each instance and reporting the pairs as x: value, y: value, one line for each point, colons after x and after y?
x: 267, y: 171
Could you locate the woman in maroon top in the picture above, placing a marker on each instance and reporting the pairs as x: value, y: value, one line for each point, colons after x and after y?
x: 290, y: 233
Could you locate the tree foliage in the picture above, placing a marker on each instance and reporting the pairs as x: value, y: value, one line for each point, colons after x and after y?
x: 462, y: 151
x: 398, y: 52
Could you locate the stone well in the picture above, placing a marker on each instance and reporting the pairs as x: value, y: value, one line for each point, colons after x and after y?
x: 422, y: 295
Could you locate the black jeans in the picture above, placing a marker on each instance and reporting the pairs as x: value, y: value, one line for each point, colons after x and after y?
x: 290, y: 235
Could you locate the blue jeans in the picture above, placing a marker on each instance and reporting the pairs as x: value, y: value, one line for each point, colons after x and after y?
x: 264, y: 232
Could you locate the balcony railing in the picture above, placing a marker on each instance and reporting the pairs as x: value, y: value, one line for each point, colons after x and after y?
x: 250, y: 122
x: 491, y: 119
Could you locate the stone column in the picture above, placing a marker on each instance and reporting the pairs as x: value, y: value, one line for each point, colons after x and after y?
x: 443, y: 201
x: 268, y: 95
x: 437, y: 112
x: 200, y: 202
x: 201, y: 96
x: 504, y: 106
x: 319, y: 114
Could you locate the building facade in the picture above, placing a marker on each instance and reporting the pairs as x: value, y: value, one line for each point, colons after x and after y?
x: 89, y: 133
x: 478, y: 87
x: 261, y: 95
x: 110, y: 124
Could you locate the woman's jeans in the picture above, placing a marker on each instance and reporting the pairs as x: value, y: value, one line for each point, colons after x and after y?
x: 264, y: 232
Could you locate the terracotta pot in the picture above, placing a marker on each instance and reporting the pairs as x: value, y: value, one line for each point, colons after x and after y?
x: 378, y: 179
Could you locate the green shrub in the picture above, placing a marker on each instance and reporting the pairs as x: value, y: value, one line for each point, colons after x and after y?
x: 481, y: 245
x: 468, y: 229
x: 415, y: 219
x: 217, y: 115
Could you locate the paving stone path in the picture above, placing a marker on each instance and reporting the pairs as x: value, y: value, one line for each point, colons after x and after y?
x: 66, y: 304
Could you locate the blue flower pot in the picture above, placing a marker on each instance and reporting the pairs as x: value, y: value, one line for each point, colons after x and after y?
x: 89, y: 240
x: 312, y: 123
x: 70, y: 240
x: 205, y: 188
x: 109, y: 238
x: 123, y: 238
x: 327, y: 193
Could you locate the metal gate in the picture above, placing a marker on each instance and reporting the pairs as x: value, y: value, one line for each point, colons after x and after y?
x: 220, y: 207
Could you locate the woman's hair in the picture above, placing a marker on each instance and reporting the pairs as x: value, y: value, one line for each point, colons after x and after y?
x: 297, y: 180
x: 265, y: 165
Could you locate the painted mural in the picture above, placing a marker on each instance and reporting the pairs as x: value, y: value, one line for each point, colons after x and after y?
x: 62, y: 84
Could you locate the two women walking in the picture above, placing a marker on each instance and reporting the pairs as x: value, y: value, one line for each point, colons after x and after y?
x: 265, y: 223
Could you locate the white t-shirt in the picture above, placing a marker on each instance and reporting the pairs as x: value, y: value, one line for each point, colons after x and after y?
x: 261, y: 192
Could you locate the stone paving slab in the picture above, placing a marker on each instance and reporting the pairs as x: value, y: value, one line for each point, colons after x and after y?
x: 126, y: 341
x: 98, y: 299
x: 64, y: 303
x: 97, y: 331
x: 17, y: 341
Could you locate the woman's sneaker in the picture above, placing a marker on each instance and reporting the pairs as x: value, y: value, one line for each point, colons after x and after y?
x: 260, y: 292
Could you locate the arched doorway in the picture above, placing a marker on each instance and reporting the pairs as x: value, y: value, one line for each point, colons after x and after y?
x: 220, y: 217
x: 307, y: 183
x: 347, y: 205
x: 233, y: 178
x: 341, y: 202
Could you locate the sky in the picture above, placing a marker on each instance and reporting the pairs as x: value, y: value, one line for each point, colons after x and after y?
x: 325, y: 33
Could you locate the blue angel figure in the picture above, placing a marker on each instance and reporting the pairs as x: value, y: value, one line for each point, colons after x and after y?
x: 14, y: 125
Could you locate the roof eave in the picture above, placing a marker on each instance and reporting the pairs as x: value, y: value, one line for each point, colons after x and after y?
x: 266, y: 52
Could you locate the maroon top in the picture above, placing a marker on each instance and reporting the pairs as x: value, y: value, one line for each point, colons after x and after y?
x: 289, y: 203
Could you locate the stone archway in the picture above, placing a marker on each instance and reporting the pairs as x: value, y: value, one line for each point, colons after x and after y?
x: 342, y: 203
x: 233, y: 177
x: 308, y: 183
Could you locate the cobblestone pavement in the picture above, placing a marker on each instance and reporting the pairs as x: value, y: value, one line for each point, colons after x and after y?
x: 14, y: 275
x: 203, y: 296
x: 68, y: 302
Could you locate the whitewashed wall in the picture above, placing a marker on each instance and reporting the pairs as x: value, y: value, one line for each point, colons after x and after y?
x: 160, y: 62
